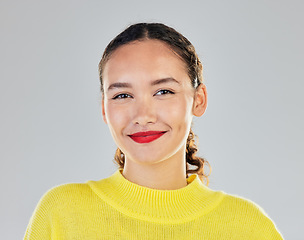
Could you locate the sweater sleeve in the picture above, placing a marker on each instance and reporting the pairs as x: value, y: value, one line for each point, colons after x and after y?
x: 259, y: 225
x: 43, y: 220
x: 265, y: 227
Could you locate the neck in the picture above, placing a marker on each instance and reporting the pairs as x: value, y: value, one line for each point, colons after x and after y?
x: 169, y: 174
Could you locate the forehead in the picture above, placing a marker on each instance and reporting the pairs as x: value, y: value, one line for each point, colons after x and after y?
x: 148, y: 58
x: 148, y: 46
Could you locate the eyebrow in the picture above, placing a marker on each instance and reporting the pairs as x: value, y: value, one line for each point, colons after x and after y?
x: 153, y: 83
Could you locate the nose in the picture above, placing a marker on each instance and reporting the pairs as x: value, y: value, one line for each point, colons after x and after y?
x: 144, y: 112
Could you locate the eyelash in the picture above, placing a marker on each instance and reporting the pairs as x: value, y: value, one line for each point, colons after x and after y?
x: 119, y: 96
x: 165, y: 90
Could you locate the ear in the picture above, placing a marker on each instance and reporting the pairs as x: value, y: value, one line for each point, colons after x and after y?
x: 103, y: 111
x: 200, y: 101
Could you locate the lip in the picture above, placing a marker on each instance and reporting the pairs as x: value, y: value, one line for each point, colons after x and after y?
x: 146, y: 137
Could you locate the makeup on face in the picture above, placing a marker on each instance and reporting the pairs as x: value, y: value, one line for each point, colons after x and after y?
x: 146, y: 137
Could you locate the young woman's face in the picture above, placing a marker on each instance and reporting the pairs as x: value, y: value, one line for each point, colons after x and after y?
x: 147, y: 88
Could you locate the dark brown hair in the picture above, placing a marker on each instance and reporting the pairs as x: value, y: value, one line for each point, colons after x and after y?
x: 186, y: 51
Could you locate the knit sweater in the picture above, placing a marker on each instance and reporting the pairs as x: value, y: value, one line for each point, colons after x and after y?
x: 115, y: 208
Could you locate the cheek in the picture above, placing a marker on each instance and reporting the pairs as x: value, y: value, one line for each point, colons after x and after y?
x: 117, y: 116
x: 177, y: 112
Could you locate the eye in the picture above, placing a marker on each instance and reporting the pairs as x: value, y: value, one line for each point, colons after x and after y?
x: 164, y: 92
x: 121, y: 96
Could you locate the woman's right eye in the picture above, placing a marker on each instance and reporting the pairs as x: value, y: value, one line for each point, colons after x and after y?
x: 121, y: 96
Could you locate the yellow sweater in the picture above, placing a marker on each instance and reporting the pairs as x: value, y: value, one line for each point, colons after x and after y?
x: 115, y: 208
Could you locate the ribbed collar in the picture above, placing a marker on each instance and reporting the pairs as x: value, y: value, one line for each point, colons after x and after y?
x: 156, y: 205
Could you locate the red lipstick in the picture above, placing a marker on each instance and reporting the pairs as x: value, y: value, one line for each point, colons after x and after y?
x: 146, y: 137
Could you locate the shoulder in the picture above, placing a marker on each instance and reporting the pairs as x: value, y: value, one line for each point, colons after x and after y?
x: 64, y: 195
x: 242, y: 204
x: 250, y: 215
x: 236, y: 206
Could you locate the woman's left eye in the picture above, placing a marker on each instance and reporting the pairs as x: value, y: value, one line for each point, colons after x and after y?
x: 163, y: 92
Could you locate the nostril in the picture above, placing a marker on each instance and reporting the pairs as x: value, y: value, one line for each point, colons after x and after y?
x: 144, y: 115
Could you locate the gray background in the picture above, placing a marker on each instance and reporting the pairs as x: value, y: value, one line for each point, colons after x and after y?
x: 51, y: 129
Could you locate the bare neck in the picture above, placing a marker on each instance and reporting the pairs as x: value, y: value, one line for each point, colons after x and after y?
x: 169, y: 174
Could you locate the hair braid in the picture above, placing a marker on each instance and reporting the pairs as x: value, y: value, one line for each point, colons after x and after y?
x: 192, y: 159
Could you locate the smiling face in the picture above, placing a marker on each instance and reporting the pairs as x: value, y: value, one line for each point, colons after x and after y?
x: 147, y: 88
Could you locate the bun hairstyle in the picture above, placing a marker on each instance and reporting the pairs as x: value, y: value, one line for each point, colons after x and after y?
x: 186, y: 51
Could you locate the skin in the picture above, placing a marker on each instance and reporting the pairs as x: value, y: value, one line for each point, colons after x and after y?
x: 144, y: 103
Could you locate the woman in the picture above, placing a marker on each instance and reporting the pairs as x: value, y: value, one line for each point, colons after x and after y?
x: 152, y: 86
